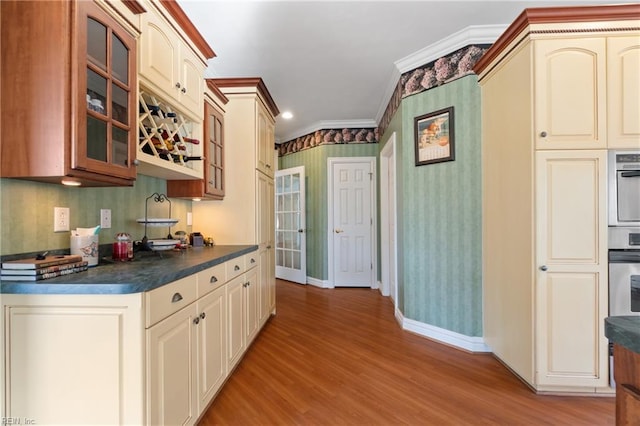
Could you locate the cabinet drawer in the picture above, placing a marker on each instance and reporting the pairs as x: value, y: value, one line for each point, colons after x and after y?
x: 251, y: 260
x: 211, y: 278
x: 170, y: 298
x: 235, y: 267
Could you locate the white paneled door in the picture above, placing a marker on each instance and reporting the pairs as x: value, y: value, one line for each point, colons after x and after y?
x: 291, y: 242
x: 351, y: 222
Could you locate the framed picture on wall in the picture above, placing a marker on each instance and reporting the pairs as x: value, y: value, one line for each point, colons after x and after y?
x: 434, y: 133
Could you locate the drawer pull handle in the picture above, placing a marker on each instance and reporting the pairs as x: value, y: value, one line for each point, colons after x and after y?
x: 196, y: 320
x: 203, y: 315
x: 176, y: 298
x: 213, y: 279
x: 236, y: 268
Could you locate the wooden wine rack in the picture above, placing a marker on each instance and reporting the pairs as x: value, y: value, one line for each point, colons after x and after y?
x: 165, y: 133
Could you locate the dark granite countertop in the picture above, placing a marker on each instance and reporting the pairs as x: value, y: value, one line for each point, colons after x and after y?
x: 147, y: 271
x: 624, y: 330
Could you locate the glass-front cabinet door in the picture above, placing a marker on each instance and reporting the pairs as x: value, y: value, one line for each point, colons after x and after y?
x: 214, y: 172
x: 104, y: 139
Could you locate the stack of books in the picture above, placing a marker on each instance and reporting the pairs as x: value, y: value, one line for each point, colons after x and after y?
x: 41, y: 269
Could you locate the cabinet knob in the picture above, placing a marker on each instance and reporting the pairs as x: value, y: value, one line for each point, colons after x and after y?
x: 213, y: 279
x: 337, y: 231
x: 269, y: 247
x: 203, y: 315
x: 236, y: 268
x: 543, y: 268
x: 301, y: 230
x: 178, y: 85
x: 176, y: 298
x: 253, y: 260
x: 184, y: 90
x: 543, y: 134
x: 134, y: 162
x: 196, y: 320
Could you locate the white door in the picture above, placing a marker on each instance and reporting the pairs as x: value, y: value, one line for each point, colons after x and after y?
x: 388, y: 219
x: 291, y: 241
x: 351, y: 222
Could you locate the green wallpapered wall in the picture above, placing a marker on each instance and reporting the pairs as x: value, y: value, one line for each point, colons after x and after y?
x: 315, y: 162
x: 440, y: 209
x: 26, y: 212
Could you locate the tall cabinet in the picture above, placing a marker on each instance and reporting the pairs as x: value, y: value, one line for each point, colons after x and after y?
x: 246, y: 215
x: 554, y: 100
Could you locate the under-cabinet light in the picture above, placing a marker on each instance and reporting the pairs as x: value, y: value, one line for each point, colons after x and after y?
x: 69, y: 182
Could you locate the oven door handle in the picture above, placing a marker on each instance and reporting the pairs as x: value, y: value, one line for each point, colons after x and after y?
x: 634, y: 173
x: 622, y: 256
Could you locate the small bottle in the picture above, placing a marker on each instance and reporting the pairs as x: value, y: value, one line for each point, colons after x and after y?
x: 123, y: 247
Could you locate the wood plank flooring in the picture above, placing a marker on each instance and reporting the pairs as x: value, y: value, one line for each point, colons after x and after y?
x: 338, y: 357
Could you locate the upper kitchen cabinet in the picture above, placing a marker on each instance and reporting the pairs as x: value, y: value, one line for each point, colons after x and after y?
x: 68, y: 93
x: 623, y: 90
x: 584, y: 76
x: 171, y: 64
x: 212, y: 186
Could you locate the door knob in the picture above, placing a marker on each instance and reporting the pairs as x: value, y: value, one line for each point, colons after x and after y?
x: 301, y: 230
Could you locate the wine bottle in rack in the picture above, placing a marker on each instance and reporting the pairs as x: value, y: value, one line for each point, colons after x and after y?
x: 186, y: 158
x: 191, y: 140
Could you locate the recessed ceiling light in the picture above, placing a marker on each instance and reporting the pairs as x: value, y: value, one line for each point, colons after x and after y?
x: 287, y: 115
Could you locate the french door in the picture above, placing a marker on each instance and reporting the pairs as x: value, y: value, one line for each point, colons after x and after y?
x: 291, y: 245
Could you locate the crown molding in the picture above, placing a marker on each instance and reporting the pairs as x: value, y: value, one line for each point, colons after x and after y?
x: 388, y: 93
x: 474, y: 34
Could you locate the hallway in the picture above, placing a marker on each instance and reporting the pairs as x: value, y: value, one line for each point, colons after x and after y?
x: 338, y: 356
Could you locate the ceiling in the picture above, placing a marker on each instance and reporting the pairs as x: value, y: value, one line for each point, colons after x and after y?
x: 334, y: 64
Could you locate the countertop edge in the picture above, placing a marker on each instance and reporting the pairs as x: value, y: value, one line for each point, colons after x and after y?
x: 624, y: 331
x: 123, y: 278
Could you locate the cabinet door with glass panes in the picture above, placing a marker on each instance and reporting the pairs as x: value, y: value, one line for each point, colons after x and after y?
x: 213, y: 135
x: 105, y: 97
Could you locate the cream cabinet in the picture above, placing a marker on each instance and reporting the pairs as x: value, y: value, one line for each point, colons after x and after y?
x: 158, y: 357
x: 571, y: 291
x: 545, y: 133
x: 587, y: 92
x: 62, y: 349
x: 623, y: 91
x: 570, y: 93
x: 169, y: 64
x: 242, y: 307
x: 171, y: 364
x: 249, y: 190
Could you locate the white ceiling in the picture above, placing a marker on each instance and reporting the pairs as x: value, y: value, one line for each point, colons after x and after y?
x: 333, y: 63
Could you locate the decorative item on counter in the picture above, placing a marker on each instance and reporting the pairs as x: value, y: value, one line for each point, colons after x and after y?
x: 208, y: 241
x: 183, y: 239
x: 84, y: 242
x: 123, y: 247
x: 197, y: 240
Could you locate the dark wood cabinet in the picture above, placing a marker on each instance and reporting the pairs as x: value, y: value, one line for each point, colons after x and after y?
x: 68, y: 94
x: 627, y: 376
x: 212, y: 186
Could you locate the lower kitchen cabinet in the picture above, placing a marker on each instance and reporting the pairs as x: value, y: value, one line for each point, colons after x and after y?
x: 72, y: 359
x: 171, y: 362
x: 156, y: 358
x: 212, y: 345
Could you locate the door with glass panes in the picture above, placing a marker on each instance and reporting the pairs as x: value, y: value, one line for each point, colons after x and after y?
x: 291, y: 252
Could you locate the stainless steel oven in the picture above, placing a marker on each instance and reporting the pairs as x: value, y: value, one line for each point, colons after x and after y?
x: 624, y: 271
x: 624, y: 188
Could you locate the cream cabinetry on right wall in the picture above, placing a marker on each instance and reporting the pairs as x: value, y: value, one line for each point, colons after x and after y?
x: 559, y: 88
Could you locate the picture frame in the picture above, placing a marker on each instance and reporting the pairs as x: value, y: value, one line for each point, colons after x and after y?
x: 434, y: 137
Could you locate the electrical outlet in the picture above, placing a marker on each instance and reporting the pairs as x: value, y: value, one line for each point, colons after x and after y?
x: 60, y: 219
x: 105, y: 218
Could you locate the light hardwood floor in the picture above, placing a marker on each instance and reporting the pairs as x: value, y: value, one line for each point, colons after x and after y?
x: 338, y: 357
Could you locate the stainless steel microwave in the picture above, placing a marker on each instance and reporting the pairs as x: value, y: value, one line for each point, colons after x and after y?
x: 624, y: 188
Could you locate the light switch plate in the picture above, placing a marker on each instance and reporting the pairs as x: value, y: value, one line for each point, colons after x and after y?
x: 60, y: 219
x: 189, y: 219
x: 105, y: 218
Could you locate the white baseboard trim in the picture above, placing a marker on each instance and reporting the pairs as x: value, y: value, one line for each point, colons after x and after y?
x: 462, y: 341
x: 318, y: 283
